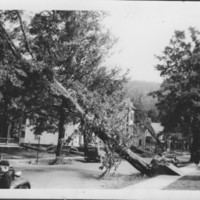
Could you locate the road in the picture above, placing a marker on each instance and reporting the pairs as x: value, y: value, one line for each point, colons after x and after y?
x: 75, y: 175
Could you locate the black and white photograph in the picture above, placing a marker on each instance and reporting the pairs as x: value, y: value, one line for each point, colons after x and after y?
x: 100, y: 99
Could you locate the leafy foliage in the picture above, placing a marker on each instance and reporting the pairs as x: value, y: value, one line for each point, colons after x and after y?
x: 178, y: 97
x: 71, y: 46
x: 138, y: 92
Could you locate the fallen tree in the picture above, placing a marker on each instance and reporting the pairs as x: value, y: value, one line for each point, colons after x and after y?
x: 125, y: 153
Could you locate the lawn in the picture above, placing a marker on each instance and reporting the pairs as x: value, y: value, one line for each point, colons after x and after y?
x: 191, y: 182
x: 22, y: 153
x: 116, y: 181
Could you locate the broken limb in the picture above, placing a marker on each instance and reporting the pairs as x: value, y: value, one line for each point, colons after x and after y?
x: 125, y: 153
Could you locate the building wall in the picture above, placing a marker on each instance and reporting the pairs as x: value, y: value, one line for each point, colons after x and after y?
x: 48, y: 138
x: 141, y: 140
x: 77, y: 141
x: 143, y: 135
x: 45, y: 138
x: 52, y: 138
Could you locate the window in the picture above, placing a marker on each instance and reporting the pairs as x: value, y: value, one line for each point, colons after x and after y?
x: 148, y: 140
x: 22, y: 134
x: 37, y: 137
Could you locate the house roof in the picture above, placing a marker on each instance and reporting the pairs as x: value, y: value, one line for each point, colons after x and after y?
x: 157, y: 127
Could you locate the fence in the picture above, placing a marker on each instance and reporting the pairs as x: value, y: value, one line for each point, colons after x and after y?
x: 8, y: 140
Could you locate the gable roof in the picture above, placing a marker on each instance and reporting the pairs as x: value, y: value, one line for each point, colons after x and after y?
x: 157, y: 127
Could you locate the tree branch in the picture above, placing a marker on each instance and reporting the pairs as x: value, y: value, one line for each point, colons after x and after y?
x: 5, y: 36
x: 24, y: 34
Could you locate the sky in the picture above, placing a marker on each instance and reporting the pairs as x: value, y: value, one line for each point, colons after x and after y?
x: 143, y: 28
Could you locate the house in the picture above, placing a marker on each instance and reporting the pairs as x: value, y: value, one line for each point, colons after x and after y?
x: 45, y: 138
x: 145, y: 140
x: 173, y: 141
x: 71, y: 130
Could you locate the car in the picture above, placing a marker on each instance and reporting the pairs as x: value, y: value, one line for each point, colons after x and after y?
x: 17, y: 181
x: 93, y: 153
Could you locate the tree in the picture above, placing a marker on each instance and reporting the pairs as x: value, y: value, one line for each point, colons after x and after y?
x: 153, y: 114
x: 140, y: 114
x: 178, y: 97
x: 72, y: 44
x: 10, y: 84
x: 138, y: 92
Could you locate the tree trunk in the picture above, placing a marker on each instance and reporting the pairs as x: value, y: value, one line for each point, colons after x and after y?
x: 4, y: 121
x: 195, y: 146
x: 83, y: 130
x: 3, y: 126
x: 85, y: 141
x: 136, y: 161
x: 61, y: 131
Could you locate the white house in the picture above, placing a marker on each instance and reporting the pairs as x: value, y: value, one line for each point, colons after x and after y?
x: 144, y: 137
x: 48, y: 138
x: 52, y: 138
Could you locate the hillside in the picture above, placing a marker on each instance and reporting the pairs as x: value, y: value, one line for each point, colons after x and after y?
x: 140, y: 89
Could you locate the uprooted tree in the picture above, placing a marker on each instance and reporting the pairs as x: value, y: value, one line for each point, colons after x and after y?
x: 39, y: 75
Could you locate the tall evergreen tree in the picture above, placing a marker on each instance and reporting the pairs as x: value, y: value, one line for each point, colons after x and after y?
x: 179, y: 97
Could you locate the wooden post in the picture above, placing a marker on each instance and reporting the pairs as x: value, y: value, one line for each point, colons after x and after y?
x: 38, y: 150
x: 127, y: 125
x: 8, y: 133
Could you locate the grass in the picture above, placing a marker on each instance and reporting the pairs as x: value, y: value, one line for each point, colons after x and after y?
x: 191, y: 182
x: 22, y: 153
x: 44, y: 158
x: 117, y: 181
